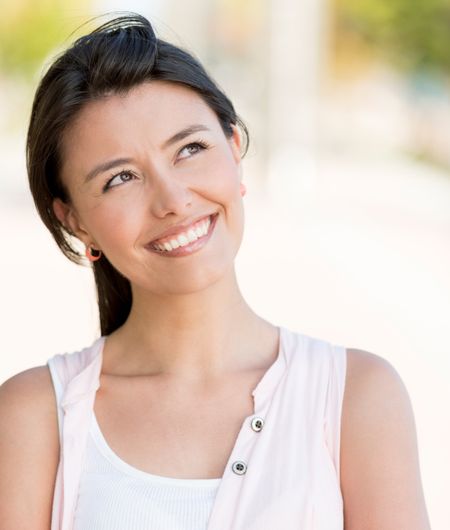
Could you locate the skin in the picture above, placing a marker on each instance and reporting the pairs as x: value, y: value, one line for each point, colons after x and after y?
x: 191, y: 343
x: 380, y: 471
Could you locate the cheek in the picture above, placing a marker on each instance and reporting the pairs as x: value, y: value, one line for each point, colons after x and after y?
x: 222, y: 180
x: 224, y: 190
x: 115, y: 224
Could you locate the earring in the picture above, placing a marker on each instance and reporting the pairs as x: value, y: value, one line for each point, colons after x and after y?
x: 243, y: 189
x: 93, y: 254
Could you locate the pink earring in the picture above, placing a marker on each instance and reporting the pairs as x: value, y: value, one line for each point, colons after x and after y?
x: 243, y: 189
x: 93, y: 254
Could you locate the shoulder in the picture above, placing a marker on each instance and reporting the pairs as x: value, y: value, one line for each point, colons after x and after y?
x: 28, y: 408
x: 38, y: 376
x: 29, y: 448
x: 380, y: 472
x: 364, y: 368
x: 374, y: 392
x: 30, y: 390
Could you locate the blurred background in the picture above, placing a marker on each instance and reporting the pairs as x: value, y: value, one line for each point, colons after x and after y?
x: 348, y: 175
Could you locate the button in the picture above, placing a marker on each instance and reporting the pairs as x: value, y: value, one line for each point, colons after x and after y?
x: 257, y: 423
x: 239, y: 467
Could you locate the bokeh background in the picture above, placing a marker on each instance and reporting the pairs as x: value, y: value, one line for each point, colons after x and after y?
x: 348, y: 175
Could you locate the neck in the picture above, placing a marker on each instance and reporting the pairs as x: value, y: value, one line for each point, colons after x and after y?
x: 200, y: 335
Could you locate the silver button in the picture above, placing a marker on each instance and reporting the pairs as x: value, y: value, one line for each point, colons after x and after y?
x: 239, y: 467
x: 257, y: 423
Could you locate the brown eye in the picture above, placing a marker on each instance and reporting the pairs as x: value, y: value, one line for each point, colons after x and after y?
x: 118, y: 179
x: 194, y: 148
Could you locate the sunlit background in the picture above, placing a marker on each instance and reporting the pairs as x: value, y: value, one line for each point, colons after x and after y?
x: 348, y: 175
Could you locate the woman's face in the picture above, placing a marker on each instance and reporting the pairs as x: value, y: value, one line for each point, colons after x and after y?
x: 130, y: 179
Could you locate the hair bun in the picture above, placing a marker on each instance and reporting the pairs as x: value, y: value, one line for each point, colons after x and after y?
x: 127, y: 39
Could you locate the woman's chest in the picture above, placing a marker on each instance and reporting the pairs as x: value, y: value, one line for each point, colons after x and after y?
x: 179, y: 434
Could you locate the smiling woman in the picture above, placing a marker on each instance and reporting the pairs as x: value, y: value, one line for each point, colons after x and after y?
x: 190, y: 411
x: 164, y: 181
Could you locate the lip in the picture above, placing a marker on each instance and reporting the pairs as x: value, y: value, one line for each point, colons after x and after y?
x: 180, y: 227
x: 192, y: 247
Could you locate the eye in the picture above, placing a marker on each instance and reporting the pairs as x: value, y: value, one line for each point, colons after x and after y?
x: 194, y: 148
x: 118, y: 179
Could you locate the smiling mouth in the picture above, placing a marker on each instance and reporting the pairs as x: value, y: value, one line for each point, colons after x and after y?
x: 186, y: 242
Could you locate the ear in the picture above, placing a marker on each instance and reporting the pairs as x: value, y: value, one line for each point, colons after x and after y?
x: 68, y: 217
x: 235, y: 143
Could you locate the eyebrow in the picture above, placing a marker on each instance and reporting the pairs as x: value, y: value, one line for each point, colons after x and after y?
x: 177, y: 137
x: 187, y: 131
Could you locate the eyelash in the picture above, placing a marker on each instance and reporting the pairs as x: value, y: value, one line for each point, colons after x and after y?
x: 200, y: 143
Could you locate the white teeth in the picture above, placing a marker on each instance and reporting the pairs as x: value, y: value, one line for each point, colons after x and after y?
x: 184, y: 239
x: 192, y: 236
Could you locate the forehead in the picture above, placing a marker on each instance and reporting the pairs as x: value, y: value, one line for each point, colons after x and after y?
x: 137, y: 121
x: 159, y: 104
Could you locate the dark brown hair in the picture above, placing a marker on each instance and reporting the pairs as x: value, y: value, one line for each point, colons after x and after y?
x: 113, y: 58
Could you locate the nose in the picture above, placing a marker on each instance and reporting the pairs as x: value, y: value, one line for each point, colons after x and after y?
x: 170, y: 195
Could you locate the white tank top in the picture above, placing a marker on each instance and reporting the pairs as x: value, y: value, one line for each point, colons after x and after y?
x: 108, y: 485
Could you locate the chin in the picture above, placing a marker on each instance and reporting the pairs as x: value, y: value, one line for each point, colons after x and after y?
x: 189, y: 275
x: 198, y: 281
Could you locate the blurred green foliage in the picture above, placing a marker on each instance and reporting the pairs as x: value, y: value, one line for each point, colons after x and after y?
x: 30, y: 30
x: 414, y: 34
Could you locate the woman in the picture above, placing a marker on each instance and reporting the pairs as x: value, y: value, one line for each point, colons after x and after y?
x: 190, y: 411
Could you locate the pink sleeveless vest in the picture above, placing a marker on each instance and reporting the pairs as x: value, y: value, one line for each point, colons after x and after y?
x: 283, y: 472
